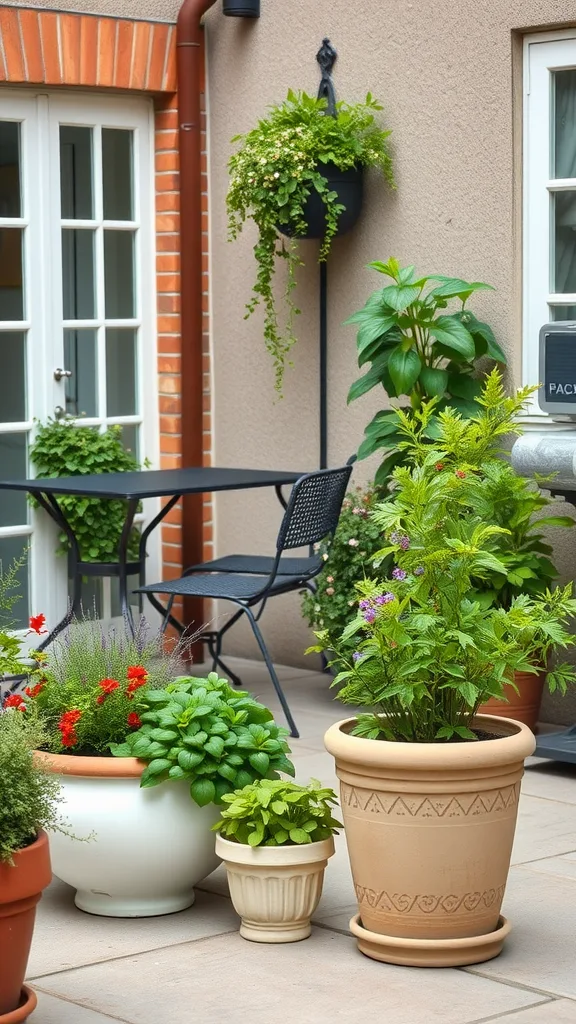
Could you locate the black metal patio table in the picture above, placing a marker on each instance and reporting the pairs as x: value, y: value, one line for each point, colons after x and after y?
x: 133, y: 488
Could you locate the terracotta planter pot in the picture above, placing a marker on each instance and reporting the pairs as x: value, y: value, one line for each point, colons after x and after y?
x: 429, y: 828
x: 145, y: 849
x: 21, y: 887
x: 523, y: 706
x: 275, y: 890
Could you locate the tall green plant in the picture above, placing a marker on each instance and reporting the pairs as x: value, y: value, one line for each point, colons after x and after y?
x: 414, y: 348
x: 427, y: 654
x: 65, y: 448
x: 278, y: 166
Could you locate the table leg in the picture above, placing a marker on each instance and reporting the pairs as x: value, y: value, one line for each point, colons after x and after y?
x: 142, y: 558
x: 131, y: 511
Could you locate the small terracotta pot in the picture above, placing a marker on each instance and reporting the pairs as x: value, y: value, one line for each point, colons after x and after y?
x: 21, y: 887
x: 429, y: 828
x: 522, y: 706
x: 275, y: 889
x: 128, y: 832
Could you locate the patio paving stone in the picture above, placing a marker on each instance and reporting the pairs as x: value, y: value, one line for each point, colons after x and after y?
x: 58, y: 1011
x: 546, y: 828
x: 561, y: 1011
x: 226, y: 980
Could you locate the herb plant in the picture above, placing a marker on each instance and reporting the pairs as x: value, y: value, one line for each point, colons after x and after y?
x: 29, y: 795
x: 93, y: 685
x: 348, y: 556
x: 201, y: 730
x: 278, y: 813
x: 427, y: 654
x: 65, y: 448
x: 415, y: 348
x: 278, y: 165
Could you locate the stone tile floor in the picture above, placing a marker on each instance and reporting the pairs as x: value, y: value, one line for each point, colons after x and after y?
x: 194, y: 967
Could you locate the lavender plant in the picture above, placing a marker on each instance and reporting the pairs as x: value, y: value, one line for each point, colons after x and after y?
x: 427, y: 654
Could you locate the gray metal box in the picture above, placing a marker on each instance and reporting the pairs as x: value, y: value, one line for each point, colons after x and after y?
x: 558, y: 368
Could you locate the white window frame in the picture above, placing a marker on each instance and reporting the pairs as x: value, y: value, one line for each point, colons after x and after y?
x: 543, y: 53
x: 40, y: 114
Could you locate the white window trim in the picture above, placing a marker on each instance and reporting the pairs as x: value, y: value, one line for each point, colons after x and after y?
x: 536, y: 297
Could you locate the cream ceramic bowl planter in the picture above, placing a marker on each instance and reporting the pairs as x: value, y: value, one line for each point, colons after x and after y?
x: 144, y: 849
x: 275, y: 889
x: 429, y: 829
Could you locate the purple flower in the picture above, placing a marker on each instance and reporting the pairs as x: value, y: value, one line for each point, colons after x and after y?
x: 395, y: 537
x: 369, y: 615
x: 399, y: 574
x: 385, y: 598
x: 364, y: 605
x: 357, y: 655
x: 419, y: 571
x: 405, y: 543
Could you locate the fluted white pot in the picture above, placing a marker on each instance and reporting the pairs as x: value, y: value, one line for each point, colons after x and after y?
x: 275, y: 889
x: 144, y: 850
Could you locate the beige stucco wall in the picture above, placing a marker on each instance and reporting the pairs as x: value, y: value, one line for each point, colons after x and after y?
x: 143, y: 10
x: 449, y: 75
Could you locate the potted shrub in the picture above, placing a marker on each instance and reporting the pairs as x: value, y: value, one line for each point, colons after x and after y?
x: 29, y: 800
x: 119, y: 722
x: 299, y: 173
x: 430, y: 788
x: 275, y: 839
x: 415, y: 345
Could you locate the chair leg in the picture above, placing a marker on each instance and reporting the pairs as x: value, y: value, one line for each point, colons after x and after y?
x: 272, y: 672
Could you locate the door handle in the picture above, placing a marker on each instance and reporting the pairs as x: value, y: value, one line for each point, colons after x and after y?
x: 59, y: 373
x: 59, y: 412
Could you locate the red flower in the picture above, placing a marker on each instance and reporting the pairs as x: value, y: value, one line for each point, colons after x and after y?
x: 108, y: 686
x: 66, y: 726
x: 439, y: 466
x: 136, y: 672
x: 460, y: 474
x: 138, y: 677
x: 33, y: 691
x: 134, y: 720
x: 14, y: 700
x: 36, y: 623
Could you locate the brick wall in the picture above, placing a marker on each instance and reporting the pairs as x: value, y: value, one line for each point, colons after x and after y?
x: 56, y: 49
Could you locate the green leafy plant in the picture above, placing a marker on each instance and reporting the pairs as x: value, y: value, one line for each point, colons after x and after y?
x: 348, y: 556
x: 29, y: 795
x: 427, y: 654
x: 278, y: 165
x: 203, y: 731
x: 415, y: 348
x: 278, y: 813
x: 93, y: 685
x: 65, y: 448
x: 11, y: 642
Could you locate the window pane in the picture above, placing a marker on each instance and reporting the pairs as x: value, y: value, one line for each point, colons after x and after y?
x: 80, y: 357
x: 12, y: 377
x: 563, y: 312
x: 10, y: 169
x: 130, y: 438
x: 76, y: 172
x: 13, y: 506
x: 78, y: 274
x: 119, y: 274
x: 121, y: 372
x: 13, y: 549
x: 115, y: 607
x: 117, y: 174
x: 90, y: 596
x: 11, y: 290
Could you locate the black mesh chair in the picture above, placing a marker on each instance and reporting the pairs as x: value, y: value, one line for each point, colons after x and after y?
x: 249, y: 581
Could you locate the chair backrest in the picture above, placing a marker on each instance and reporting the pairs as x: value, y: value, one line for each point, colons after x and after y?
x: 314, y: 508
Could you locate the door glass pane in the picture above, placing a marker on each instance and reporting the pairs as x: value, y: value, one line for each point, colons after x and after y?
x: 13, y: 549
x: 11, y: 289
x: 10, y: 169
x: 119, y: 274
x: 564, y: 124
x: 13, y: 506
x: 90, y: 596
x: 78, y: 274
x: 12, y: 377
x: 121, y: 372
x: 130, y: 436
x: 117, y: 174
x: 115, y: 606
x: 76, y: 172
x: 80, y: 357
x: 563, y: 312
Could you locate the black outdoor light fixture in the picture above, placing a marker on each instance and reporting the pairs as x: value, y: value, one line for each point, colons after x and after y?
x: 241, y: 8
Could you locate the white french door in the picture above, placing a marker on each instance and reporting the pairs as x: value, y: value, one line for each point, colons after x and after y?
x: 77, y: 301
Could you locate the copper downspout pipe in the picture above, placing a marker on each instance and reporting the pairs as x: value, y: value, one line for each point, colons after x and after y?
x: 190, y: 67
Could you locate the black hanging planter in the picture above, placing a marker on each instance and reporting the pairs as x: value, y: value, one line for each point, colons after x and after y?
x: 349, y: 184
x: 241, y: 8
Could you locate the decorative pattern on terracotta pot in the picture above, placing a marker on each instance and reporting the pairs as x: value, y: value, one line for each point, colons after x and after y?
x: 448, y: 904
x: 422, y: 806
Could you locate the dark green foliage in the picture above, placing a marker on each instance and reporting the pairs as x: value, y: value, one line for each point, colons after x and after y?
x: 29, y: 796
x: 63, y: 448
x: 202, y: 730
x: 414, y: 348
x: 278, y: 813
x: 271, y: 177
